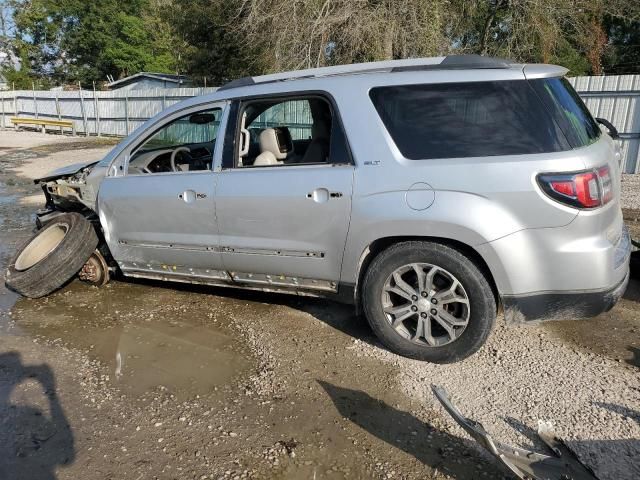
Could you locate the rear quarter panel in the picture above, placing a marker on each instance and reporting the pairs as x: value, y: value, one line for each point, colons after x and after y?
x: 475, y: 200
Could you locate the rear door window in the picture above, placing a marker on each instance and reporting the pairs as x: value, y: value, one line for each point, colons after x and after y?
x: 473, y: 119
x: 568, y: 110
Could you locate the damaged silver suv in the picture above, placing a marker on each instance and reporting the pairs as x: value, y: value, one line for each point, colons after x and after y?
x: 429, y: 193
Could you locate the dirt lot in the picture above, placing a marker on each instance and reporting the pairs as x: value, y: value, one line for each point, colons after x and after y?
x: 142, y: 380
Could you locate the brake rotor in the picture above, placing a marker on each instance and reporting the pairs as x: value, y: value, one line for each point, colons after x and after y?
x: 95, y: 271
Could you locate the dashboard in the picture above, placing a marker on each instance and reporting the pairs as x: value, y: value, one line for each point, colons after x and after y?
x: 198, y: 158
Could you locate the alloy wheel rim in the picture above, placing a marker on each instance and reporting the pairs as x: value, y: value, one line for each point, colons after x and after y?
x: 41, y: 246
x: 426, y: 304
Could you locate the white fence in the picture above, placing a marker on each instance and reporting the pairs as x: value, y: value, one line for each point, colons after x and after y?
x: 616, y: 98
x: 93, y: 113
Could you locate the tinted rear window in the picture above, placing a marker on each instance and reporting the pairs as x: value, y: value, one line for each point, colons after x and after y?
x: 467, y: 120
x: 568, y: 110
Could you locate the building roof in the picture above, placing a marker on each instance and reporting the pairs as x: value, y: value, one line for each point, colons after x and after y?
x: 165, y: 77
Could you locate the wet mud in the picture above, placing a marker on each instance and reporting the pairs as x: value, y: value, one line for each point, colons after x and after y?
x: 144, y: 336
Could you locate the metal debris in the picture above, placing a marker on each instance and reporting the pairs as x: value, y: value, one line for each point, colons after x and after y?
x: 524, y: 464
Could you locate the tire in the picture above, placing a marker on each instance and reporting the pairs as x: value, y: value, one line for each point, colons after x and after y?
x: 52, y: 256
x: 422, y: 336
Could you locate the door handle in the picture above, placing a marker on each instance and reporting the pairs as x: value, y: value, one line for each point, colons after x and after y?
x: 322, y: 195
x: 189, y: 196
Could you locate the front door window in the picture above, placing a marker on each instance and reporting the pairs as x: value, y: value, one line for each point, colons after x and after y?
x: 184, y: 145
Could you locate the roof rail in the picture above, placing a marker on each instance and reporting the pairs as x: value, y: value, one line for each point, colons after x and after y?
x: 450, y: 62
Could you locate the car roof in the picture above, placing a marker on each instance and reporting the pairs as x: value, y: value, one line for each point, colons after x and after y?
x: 392, y: 71
x: 450, y: 62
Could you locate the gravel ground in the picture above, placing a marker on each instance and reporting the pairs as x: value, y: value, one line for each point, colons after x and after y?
x: 525, y: 375
x: 631, y: 191
x: 319, y: 398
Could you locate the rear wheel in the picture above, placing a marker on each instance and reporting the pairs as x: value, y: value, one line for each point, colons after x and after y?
x: 429, y: 302
x: 52, y: 256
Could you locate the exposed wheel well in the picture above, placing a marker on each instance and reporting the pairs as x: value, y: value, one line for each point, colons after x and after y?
x: 377, y: 246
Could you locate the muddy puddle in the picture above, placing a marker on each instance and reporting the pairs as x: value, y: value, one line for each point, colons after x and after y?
x: 148, y: 338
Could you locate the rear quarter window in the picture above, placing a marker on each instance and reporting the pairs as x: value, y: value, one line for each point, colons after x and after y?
x: 475, y: 119
x: 568, y: 110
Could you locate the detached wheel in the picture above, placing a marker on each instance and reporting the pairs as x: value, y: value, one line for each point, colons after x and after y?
x: 52, y: 256
x: 429, y: 302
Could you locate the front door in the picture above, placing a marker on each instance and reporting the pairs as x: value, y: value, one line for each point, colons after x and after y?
x: 159, y: 218
x: 284, y: 200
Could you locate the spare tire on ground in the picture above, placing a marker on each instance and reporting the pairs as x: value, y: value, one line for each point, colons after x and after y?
x: 52, y: 256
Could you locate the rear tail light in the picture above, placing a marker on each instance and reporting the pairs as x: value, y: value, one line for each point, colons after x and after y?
x: 606, y: 184
x: 588, y: 189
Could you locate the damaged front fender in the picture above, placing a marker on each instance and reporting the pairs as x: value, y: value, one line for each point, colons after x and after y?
x: 73, y: 188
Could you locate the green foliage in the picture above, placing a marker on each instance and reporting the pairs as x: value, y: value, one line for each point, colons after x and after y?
x: 569, y: 57
x: 131, y: 50
x: 213, y: 45
x: 76, y: 40
x: 18, y: 79
x: 66, y: 41
x: 623, y: 54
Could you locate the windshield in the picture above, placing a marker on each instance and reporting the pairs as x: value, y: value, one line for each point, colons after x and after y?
x: 568, y: 110
x: 197, y: 128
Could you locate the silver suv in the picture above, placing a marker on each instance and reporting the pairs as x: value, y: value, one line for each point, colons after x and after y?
x: 429, y: 193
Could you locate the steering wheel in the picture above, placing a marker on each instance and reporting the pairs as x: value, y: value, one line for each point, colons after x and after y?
x: 174, y: 154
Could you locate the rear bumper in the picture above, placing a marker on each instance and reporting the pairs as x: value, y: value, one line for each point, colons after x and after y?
x: 562, y: 305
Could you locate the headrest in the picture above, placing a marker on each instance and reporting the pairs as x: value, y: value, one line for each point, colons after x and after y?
x: 277, y: 141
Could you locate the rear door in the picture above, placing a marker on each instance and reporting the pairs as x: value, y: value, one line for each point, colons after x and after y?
x: 287, y: 224
x: 160, y: 216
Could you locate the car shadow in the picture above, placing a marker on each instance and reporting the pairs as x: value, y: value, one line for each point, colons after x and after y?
x: 34, y: 441
x: 430, y: 446
x: 632, y: 293
x: 622, y: 411
x: 635, y: 360
x: 535, y: 443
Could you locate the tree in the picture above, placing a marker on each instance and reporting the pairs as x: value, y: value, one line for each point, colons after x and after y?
x: 293, y: 34
x: 209, y: 42
x: 623, y: 53
x: 568, y: 32
x: 76, y: 40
